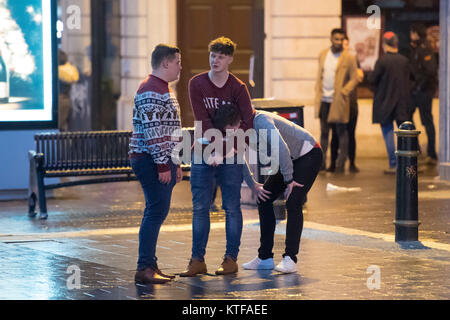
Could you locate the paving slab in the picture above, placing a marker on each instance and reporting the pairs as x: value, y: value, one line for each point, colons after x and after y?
x: 87, y: 249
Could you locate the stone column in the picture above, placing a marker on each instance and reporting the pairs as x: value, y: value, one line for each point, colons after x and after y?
x: 444, y: 91
x: 144, y: 24
x: 296, y: 32
x: 76, y: 40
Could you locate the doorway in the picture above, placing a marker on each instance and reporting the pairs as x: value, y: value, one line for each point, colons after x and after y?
x: 199, y: 22
x: 105, y: 54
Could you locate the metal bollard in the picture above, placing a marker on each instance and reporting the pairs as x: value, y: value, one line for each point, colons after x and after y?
x: 406, y: 213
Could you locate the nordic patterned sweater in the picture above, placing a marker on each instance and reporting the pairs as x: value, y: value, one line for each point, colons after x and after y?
x: 156, y: 122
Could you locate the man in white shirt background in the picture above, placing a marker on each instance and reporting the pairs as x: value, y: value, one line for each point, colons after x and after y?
x: 337, y: 77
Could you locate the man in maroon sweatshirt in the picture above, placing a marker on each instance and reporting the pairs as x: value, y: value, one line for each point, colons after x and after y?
x: 209, y: 91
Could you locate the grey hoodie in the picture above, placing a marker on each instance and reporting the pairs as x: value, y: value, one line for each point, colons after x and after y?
x: 291, y: 139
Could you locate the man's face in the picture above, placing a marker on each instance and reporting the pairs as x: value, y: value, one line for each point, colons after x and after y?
x: 174, y: 67
x: 414, y: 36
x: 336, y: 41
x: 219, y: 62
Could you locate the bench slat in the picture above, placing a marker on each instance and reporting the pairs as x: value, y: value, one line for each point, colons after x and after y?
x: 71, y: 152
x: 83, y: 150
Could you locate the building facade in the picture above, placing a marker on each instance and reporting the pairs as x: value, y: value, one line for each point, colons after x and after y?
x: 294, y: 32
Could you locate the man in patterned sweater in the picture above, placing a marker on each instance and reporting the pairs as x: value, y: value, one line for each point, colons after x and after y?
x: 156, y: 131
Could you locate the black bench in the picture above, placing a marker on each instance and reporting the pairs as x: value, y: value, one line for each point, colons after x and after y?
x: 77, y: 154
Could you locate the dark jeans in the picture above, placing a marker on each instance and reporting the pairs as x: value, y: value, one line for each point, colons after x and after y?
x: 341, y: 130
x: 306, y: 169
x: 351, y: 128
x: 63, y: 112
x: 203, y: 182
x: 423, y: 101
x: 157, y: 204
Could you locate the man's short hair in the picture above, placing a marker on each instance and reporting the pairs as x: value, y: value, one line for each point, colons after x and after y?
x: 337, y: 30
x: 161, y: 52
x: 420, y: 29
x: 226, y: 115
x: 222, y: 45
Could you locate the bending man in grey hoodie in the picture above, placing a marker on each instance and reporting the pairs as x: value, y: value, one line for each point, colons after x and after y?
x: 299, y: 158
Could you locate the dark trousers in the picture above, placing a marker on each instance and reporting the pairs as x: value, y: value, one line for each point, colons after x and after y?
x: 423, y: 101
x: 341, y: 130
x: 351, y: 129
x: 63, y: 112
x: 306, y: 169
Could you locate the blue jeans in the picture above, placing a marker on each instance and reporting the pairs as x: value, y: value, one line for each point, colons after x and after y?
x: 229, y: 177
x: 157, y: 204
x: 388, y: 135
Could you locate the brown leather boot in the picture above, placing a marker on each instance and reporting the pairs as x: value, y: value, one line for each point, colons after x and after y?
x: 194, y: 268
x: 228, y: 266
x: 158, y: 271
x: 150, y: 275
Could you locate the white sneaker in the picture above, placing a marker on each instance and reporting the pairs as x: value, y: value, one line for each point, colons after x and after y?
x: 258, y: 264
x: 287, y: 265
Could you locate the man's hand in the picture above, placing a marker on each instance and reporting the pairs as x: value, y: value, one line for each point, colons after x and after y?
x: 345, y: 93
x: 165, y: 177
x: 215, y: 159
x: 289, y: 188
x: 360, y: 73
x: 179, y: 174
x: 261, y: 193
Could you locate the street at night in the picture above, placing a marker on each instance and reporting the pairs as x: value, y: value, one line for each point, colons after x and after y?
x: 348, y: 238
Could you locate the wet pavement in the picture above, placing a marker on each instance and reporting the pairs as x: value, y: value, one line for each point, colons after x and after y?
x: 87, y: 249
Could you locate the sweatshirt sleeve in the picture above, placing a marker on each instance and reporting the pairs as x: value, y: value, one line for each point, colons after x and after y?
x: 245, y: 106
x: 248, y: 176
x: 199, y: 110
x: 286, y: 165
x: 198, y: 107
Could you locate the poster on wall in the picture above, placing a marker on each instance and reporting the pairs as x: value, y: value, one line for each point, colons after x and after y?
x: 28, y: 75
x: 364, y: 42
x: 433, y: 37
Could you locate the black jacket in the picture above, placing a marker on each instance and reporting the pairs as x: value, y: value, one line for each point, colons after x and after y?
x: 424, y: 69
x: 390, y: 79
